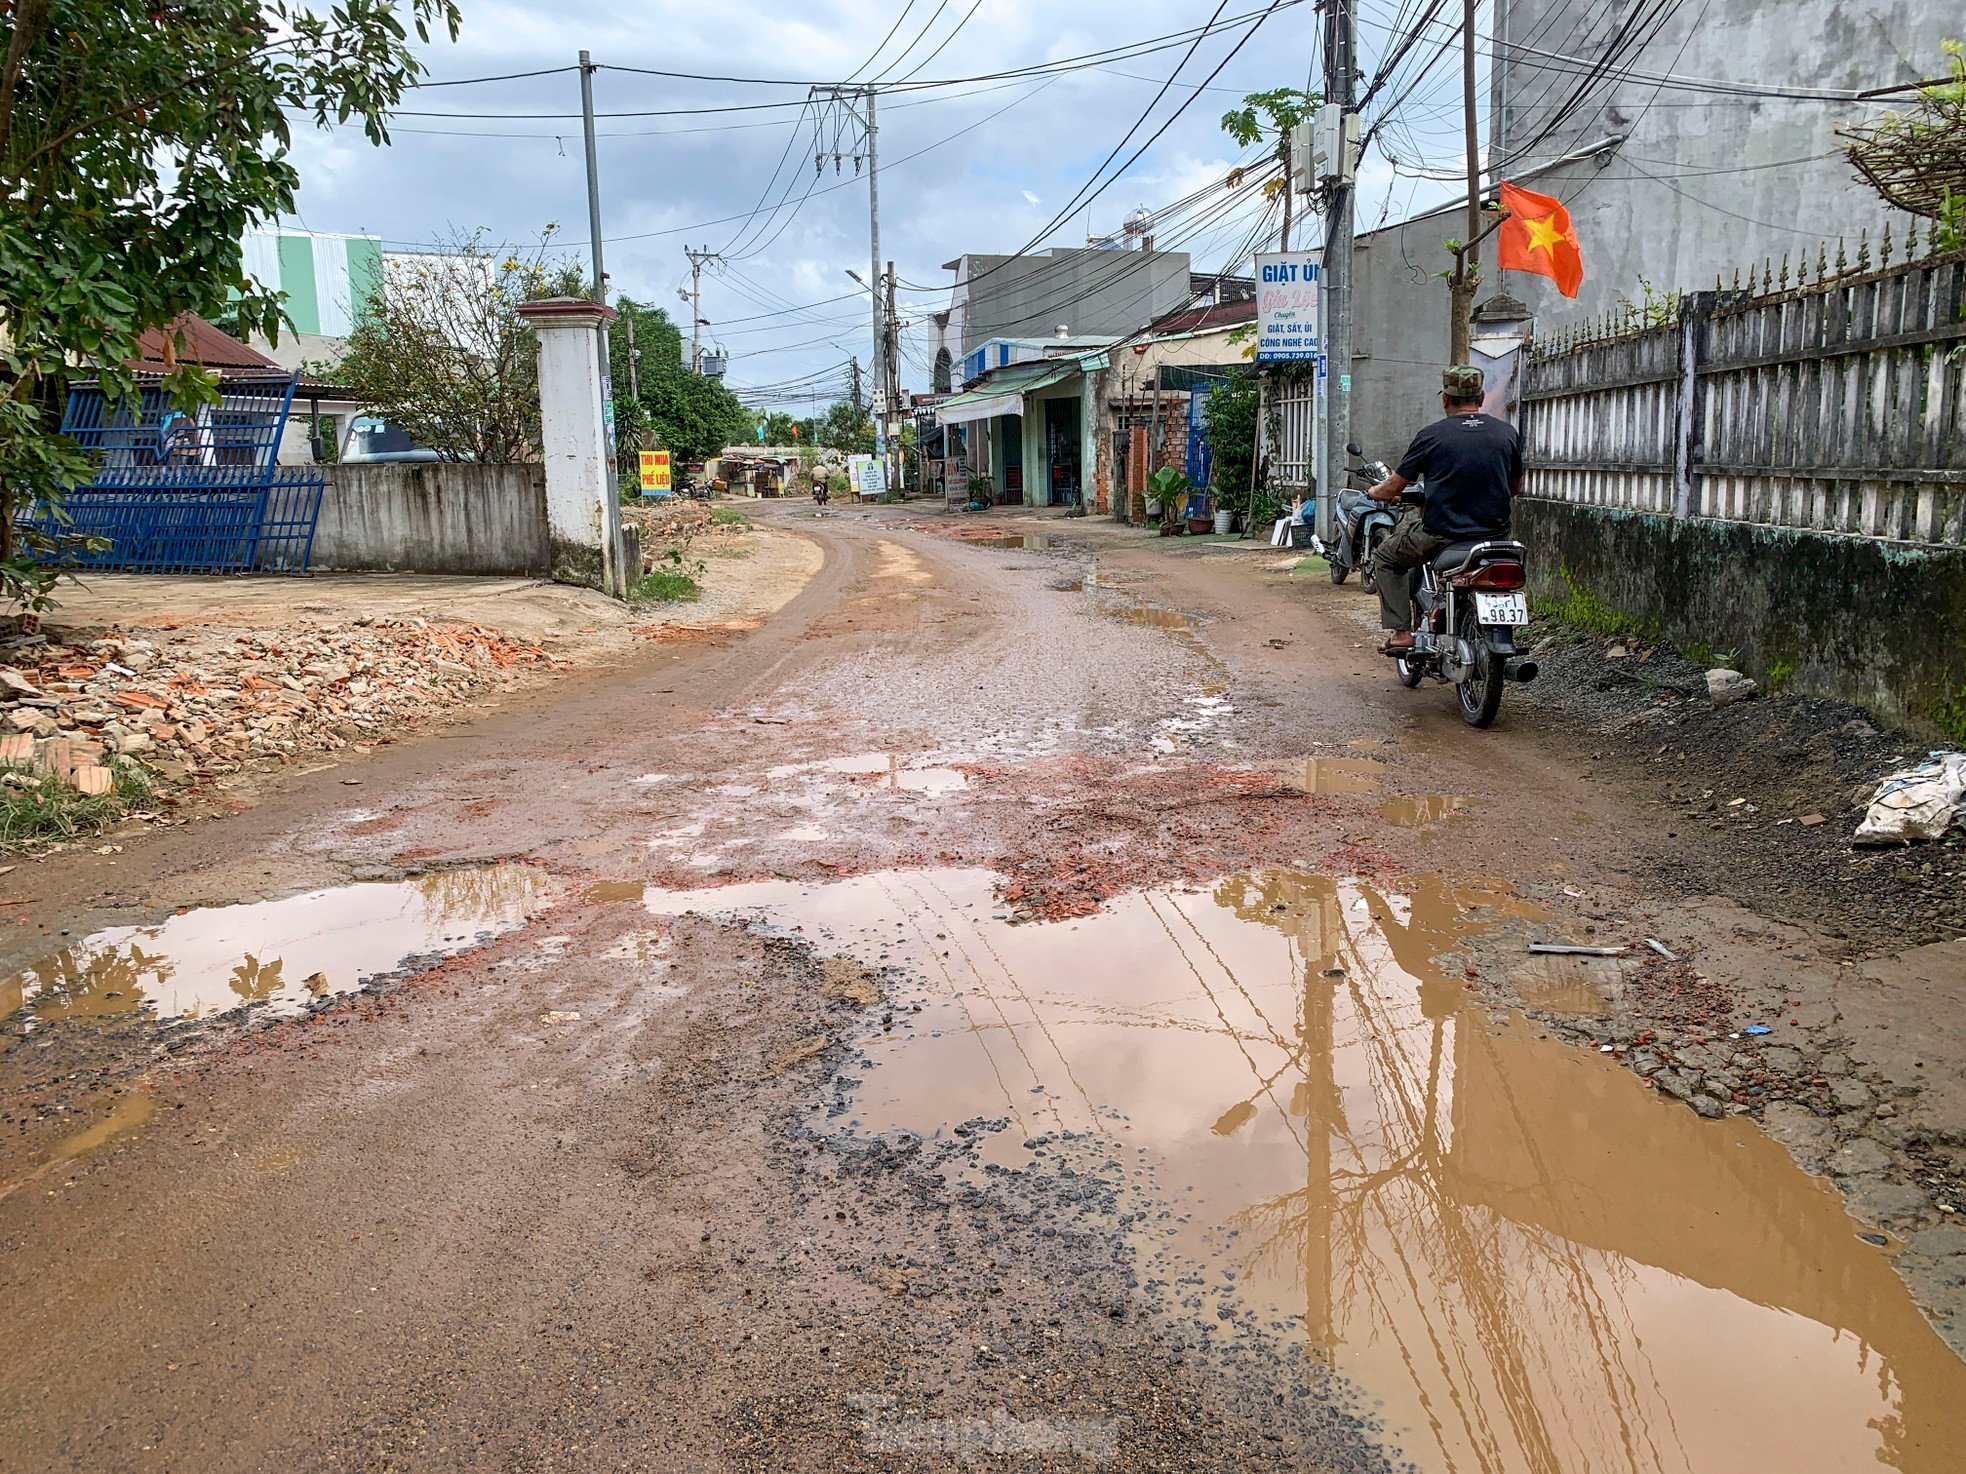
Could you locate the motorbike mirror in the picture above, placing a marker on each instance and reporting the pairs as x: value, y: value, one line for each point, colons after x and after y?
x: 1351, y: 448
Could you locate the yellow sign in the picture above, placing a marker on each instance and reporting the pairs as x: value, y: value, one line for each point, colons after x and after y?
x: 655, y: 473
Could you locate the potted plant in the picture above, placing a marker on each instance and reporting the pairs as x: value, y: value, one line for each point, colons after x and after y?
x: 1164, y: 491
x: 1200, y: 513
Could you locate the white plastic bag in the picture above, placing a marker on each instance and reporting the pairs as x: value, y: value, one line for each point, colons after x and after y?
x: 1917, y: 803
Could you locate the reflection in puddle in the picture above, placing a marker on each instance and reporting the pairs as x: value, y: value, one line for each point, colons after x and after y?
x: 1152, y: 616
x: 1035, y: 542
x: 1417, y: 813
x: 1335, y: 774
x: 280, y: 953
x: 1535, y: 1264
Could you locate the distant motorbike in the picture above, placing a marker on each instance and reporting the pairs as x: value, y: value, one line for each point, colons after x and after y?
x: 821, y: 492
x: 1468, y: 602
x: 1361, y: 525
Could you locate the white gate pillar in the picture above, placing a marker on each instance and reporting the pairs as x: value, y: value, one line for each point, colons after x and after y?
x: 583, y: 511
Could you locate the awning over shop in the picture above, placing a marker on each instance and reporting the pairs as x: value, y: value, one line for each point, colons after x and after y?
x: 1003, y: 392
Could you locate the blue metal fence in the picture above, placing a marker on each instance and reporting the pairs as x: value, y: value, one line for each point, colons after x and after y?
x: 206, y: 522
x: 186, y: 492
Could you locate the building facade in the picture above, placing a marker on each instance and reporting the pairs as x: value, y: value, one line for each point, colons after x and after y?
x: 1081, y: 291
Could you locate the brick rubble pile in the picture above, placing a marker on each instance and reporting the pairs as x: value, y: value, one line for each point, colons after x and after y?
x: 196, y: 704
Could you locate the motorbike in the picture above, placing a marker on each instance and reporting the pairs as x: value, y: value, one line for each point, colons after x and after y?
x: 1468, y: 601
x: 1360, y: 526
x: 820, y: 492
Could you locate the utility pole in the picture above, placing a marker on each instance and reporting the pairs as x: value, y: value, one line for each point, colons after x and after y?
x: 853, y: 370
x: 587, y: 70
x: 634, y: 353
x: 697, y: 258
x: 1340, y: 199
x: 1467, y: 261
x: 858, y: 106
x: 889, y: 437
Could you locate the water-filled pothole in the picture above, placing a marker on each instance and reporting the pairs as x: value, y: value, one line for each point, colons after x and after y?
x: 281, y: 954
x: 1530, y: 1260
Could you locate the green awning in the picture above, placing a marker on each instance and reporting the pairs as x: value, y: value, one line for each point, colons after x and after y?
x: 1003, y: 392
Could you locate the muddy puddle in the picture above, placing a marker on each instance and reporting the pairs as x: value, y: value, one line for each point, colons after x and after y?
x: 281, y: 954
x: 1035, y: 542
x: 1342, y: 775
x: 1529, y: 1262
x: 1426, y: 809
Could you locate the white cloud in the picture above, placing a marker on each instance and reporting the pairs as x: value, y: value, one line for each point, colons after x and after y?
x: 673, y: 178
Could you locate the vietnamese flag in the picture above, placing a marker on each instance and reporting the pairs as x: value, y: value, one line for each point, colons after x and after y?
x: 1537, y: 236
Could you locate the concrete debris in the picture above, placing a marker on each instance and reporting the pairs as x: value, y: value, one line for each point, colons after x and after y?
x: 1725, y: 687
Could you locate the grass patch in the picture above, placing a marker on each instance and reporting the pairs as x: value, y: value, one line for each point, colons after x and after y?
x: 38, y: 808
x: 729, y: 517
x: 664, y: 586
x: 1310, y: 563
x: 1950, y: 716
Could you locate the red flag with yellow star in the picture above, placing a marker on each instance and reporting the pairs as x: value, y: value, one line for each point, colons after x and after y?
x: 1538, y: 237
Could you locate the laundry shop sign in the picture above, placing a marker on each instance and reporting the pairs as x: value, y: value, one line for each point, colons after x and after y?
x: 1287, y: 306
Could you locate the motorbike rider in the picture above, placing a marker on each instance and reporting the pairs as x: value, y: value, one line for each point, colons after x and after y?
x: 1472, y: 465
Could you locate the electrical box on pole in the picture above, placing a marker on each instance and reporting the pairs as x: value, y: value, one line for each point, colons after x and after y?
x: 1334, y: 147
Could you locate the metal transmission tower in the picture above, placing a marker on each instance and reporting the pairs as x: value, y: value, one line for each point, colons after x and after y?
x: 697, y: 260
x: 848, y: 112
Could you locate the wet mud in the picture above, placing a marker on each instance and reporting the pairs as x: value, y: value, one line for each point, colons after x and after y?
x: 1321, y: 1147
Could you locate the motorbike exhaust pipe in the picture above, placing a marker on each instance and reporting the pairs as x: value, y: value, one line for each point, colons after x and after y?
x: 1524, y: 671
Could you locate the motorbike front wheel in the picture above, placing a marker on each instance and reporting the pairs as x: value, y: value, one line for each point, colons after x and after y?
x: 1367, y: 580
x: 1339, y: 571
x: 1481, y: 691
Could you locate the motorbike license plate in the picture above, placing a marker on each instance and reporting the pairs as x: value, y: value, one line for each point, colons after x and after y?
x: 1502, y: 608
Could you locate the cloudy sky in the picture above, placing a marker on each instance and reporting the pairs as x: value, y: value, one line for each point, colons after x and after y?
x: 982, y: 166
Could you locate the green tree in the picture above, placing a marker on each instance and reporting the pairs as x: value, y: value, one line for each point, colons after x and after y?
x: 778, y: 426
x: 842, y: 428
x: 689, y: 414
x: 1233, y: 410
x: 1271, y: 115
x: 441, y: 352
x: 138, y: 142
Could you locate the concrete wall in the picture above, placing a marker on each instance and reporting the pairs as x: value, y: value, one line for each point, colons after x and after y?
x: 434, y: 517
x: 1703, y: 186
x: 1091, y: 292
x: 1878, y: 623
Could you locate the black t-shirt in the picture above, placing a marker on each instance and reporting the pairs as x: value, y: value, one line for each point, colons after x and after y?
x: 1469, y: 462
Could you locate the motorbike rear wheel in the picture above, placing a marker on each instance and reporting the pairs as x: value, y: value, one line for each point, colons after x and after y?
x: 1481, y: 691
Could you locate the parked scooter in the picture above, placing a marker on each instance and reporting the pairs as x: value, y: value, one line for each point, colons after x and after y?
x: 1468, y: 602
x: 1361, y: 524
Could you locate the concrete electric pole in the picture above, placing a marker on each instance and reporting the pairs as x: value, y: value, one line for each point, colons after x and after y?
x: 1338, y: 170
x: 856, y: 105
x: 853, y: 369
x: 697, y: 259
x: 1462, y: 284
x: 889, y: 438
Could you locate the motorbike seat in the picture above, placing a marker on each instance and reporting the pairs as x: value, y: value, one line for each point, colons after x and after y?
x: 1457, y: 556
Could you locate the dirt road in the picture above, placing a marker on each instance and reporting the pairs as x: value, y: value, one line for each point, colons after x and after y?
x: 1039, y: 1000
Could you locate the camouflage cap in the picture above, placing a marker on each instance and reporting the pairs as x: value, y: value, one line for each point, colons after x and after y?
x: 1462, y: 382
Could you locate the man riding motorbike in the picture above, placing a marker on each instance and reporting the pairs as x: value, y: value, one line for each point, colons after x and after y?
x: 1471, y: 463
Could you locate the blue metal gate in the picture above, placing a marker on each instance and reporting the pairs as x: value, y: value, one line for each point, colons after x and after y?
x: 178, y: 492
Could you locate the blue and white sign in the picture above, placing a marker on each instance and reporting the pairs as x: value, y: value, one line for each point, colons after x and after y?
x: 1287, y: 306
